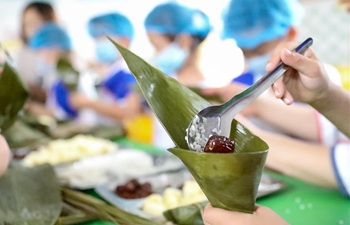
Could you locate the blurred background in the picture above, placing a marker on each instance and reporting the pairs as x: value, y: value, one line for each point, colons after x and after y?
x: 325, y: 20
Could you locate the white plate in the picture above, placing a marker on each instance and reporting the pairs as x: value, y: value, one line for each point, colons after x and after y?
x: 123, y: 164
x: 159, y: 182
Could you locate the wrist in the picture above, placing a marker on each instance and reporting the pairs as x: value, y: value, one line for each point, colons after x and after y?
x: 326, y: 99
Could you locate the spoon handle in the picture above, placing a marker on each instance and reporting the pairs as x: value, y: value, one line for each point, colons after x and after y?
x: 242, y: 100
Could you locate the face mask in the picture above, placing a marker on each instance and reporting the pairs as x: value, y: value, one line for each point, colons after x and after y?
x: 43, y: 71
x: 106, y: 52
x: 171, y: 59
x: 258, y: 64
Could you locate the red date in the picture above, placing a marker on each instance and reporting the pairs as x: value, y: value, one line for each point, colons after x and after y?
x: 219, y: 144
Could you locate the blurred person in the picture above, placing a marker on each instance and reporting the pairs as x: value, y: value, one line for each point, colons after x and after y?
x: 307, y: 82
x: 260, y: 28
x: 50, y: 42
x: 116, y: 98
x: 34, y: 16
x: 176, y: 32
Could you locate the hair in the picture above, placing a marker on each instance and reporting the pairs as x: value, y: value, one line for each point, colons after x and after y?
x: 45, y: 10
x: 196, y: 40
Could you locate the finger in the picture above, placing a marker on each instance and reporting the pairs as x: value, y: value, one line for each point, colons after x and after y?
x: 307, y: 66
x: 279, y: 88
x: 275, y: 57
x: 288, y: 98
x: 216, y: 216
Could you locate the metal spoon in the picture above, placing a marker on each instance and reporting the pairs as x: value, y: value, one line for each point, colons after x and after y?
x: 216, y: 120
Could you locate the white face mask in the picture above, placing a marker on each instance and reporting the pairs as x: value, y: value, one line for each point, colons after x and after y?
x: 43, y: 71
x: 171, y: 59
x: 258, y: 64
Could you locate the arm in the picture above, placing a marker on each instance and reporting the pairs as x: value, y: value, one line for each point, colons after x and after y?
x: 261, y: 216
x: 39, y: 109
x: 307, y: 81
x: 335, y: 106
x: 4, y: 155
x: 303, y: 160
x: 296, y: 120
x: 112, y: 110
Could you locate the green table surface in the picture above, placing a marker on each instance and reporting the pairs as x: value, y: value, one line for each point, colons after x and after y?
x: 299, y: 203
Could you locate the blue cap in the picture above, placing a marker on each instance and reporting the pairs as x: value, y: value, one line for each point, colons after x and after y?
x: 252, y: 22
x: 173, y: 18
x: 111, y: 24
x: 51, y: 35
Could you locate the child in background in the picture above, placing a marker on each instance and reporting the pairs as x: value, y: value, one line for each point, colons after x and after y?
x: 176, y: 32
x: 50, y: 43
x: 258, y: 27
x: 116, y: 101
x: 34, y: 16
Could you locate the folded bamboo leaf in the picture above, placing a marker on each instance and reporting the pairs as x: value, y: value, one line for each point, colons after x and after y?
x: 13, y: 95
x: 165, y: 96
x: 190, y: 214
x: 29, y: 196
x: 230, y: 181
x: 21, y: 135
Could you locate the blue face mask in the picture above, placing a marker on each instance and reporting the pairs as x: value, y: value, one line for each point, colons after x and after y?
x: 106, y: 52
x: 258, y: 64
x: 171, y: 59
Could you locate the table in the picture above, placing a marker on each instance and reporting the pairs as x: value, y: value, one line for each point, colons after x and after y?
x: 299, y: 203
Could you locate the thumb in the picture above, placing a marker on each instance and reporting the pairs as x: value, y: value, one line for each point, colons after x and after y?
x: 302, y: 63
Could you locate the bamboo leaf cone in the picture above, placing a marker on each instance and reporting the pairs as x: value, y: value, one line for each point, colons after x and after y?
x: 230, y: 181
x: 13, y: 95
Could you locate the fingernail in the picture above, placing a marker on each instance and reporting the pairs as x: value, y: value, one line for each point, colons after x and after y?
x: 287, y: 52
x: 277, y: 92
x: 287, y: 100
x: 268, y: 65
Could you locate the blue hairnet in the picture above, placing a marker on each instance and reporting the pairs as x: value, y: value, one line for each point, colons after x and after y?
x: 51, y: 35
x: 111, y: 24
x: 252, y: 22
x: 172, y: 18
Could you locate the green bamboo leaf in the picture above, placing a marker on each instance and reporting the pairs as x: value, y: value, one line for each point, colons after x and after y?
x: 230, y: 181
x: 102, y: 210
x: 172, y: 102
x: 29, y: 196
x: 190, y: 214
x: 13, y: 95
